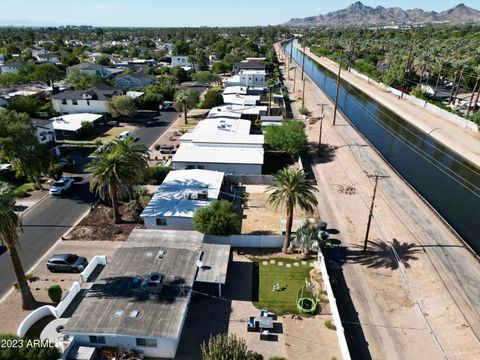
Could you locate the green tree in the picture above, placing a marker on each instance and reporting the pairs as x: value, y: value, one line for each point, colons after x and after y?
x: 19, y: 145
x: 184, y: 101
x: 211, y: 99
x: 394, y: 76
x: 70, y: 60
x: 205, y: 77
x: 149, y: 101
x: 81, y: 80
x: 227, y: 347
x: 110, y: 173
x: 218, y: 218
x: 122, y: 105
x: 220, y: 67
x: 86, y: 129
x: 46, y: 73
x: 104, y: 60
x: 289, y: 137
x: 25, y: 104
x: 292, y: 189
x: 9, y: 228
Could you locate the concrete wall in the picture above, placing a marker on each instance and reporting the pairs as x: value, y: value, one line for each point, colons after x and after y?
x: 97, y: 260
x: 166, y: 348
x: 256, y: 241
x: 255, y: 169
x: 33, y: 317
x: 173, y: 223
x: 84, y: 106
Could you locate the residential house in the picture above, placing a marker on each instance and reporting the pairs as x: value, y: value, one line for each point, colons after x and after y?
x: 2, y: 59
x: 68, y: 126
x: 182, y: 192
x: 92, y: 100
x: 94, y: 69
x: 141, y: 299
x: 255, y: 78
x: 48, y: 58
x: 12, y: 67
x: 184, y: 62
x: 44, y: 130
x: 134, y: 80
x: 249, y: 64
x: 221, y: 144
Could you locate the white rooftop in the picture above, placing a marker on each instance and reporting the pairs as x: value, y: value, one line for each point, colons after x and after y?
x: 253, y: 72
x: 73, y: 122
x: 240, y: 99
x: 241, y: 90
x: 191, y: 152
x: 178, y: 194
x: 236, y: 111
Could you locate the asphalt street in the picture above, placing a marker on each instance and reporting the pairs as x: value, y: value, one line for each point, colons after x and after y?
x: 44, y: 224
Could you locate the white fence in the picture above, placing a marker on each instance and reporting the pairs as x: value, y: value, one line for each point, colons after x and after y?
x: 422, y: 103
x: 49, y: 310
x: 257, y: 241
x: 333, y: 307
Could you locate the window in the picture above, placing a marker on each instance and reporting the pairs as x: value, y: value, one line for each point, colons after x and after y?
x: 97, y: 339
x: 200, y: 167
x: 74, y: 102
x: 146, y: 342
x: 64, y: 102
x: 161, y: 222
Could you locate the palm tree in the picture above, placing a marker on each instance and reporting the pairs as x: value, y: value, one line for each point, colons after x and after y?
x: 111, y: 171
x: 136, y: 156
x: 270, y: 84
x: 9, y: 228
x: 184, y: 101
x: 292, y: 189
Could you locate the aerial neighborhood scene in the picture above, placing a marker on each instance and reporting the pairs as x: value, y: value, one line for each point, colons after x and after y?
x: 219, y: 180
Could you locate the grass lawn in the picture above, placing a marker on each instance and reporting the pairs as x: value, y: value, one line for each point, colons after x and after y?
x: 22, y: 190
x: 290, y: 279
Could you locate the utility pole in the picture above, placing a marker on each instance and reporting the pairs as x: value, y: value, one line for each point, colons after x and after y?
x: 294, y: 77
x: 291, y: 60
x: 407, y: 72
x: 352, y: 54
x: 453, y: 88
x: 477, y: 84
x: 322, y: 115
x: 458, y: 86
x: 303, y: 59
x: 376, y: 177
x: 338, y: 86
x: 303, y: 94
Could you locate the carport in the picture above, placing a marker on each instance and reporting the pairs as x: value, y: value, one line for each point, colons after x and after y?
x: 213, y: 265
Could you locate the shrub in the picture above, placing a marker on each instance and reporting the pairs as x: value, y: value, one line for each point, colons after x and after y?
x: 289, y: 137
x: 55, y: 293
x: 223, y: 346
x: 22, y: 190
x: 212, y: 98
x: 155, y: 175
x: 156, y: 147
x: 218, y: 218
x: 330, y: 325
x: 304, y: 111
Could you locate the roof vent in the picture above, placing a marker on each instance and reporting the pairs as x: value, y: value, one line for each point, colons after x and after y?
x: 161, y: 253
x: 134, y: 313
x: 118, y: 313
x: 153, y: 283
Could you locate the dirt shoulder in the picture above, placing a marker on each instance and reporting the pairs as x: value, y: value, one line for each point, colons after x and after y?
x: 460, y: 140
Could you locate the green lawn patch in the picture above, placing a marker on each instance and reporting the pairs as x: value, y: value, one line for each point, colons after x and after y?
x: 290, y: 279
x: 22, y: 190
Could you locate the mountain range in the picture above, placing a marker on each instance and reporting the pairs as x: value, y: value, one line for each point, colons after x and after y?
x: 360, y: 14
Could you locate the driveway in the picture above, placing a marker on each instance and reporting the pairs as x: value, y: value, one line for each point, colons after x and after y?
x: 147, y: 135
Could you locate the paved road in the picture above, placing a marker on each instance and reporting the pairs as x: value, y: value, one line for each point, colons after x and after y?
x: 42, y: 227
x: 50, y: 219
x: 147, y: 135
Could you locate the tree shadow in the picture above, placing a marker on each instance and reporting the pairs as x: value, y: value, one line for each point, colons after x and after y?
x: 325, y: 155
x: 379, y: 254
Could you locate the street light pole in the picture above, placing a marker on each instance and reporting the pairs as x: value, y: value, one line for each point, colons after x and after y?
x: 303, y: 59
x: 372, y: 205
x: 322, y: 115
x: 338, y: 86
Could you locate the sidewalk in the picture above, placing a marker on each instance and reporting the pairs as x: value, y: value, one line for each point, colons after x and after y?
x: 425, y: 305
x: 25, y: 204
x: 460, y: 140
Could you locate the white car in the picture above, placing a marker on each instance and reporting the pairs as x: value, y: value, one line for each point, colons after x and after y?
x: 61, y: 185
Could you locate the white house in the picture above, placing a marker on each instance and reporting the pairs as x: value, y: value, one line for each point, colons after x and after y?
x: 92, y: 100
x: 47, y: 57
x: 44, y: 130
x: 134, y: 80
x: 221, y: 144
x: 183, y: 62
x: 12, y: 67
x: 247, y: 78
x: 182, y: 192
x: 141, y: 299
x: 69, y: 125
x: 94, y: 69
x: 249, y: 64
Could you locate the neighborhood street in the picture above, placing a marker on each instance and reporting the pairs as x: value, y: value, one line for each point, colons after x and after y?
x: 51, y: 218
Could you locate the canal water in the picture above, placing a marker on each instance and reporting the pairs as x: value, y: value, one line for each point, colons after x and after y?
x: 447, y: 181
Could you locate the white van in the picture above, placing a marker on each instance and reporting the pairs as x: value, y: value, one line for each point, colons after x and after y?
x: 167, y: 105
x: 124, y: 135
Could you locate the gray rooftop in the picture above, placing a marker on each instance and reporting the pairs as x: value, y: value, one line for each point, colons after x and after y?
x: 108, y: 304
x: 100, y: 92
x: 41, y: 122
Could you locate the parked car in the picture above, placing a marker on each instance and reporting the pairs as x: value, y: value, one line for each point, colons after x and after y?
x: 124, y: 135
x: 61, y: 185
x: 67, y: 263
x: 167, y: 149
x: 113, y: 123
x: 167, y: 105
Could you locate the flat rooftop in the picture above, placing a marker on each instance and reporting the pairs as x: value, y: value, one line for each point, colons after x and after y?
x: 189, y: 152
x: 176, y: 197
x: 73, y: 122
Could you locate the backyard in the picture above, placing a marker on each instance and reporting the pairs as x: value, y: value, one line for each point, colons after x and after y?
x: 290, y: 274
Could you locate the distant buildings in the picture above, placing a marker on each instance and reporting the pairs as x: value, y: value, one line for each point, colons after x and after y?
x: 134, y: 80
x: 247, y: 78
x: 94, y: 69
x: 47, y: 58
x: 184, y: 62
x: 12, y: 67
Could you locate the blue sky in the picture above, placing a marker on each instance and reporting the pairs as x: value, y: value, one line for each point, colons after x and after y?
x: 185, y: 12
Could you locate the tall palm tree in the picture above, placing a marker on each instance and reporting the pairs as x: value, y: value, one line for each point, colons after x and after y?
x: 292, y: 189
x: 270, y: 83
x: 184, y: 101
x: 136, y: 156
x: 9, y: 227
x: 110, y: 173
